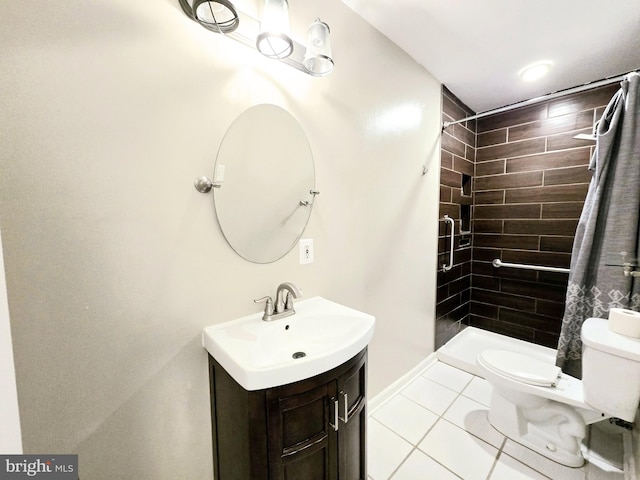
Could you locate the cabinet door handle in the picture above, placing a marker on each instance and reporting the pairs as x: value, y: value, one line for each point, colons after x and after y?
x: 336, y: 407
x: 346, y: 407
x: 354, y: 410
x: 345, y: 419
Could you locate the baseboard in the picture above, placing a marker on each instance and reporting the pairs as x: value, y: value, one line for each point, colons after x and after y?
x: 381, y: 398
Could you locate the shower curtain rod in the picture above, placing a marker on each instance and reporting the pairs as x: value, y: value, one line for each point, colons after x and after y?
x: 549, y: 96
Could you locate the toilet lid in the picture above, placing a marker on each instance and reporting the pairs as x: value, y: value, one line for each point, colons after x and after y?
x: 521, y: 368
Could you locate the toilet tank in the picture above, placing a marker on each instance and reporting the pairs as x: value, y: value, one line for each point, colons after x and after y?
x: 610, y: 370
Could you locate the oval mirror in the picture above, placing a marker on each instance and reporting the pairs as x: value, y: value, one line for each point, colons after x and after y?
x: 265, y: 174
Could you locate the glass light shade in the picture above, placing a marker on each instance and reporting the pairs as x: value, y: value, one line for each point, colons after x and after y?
x: 216, y: 15
x: 274, y: 40
x: 317, y: 59
x: 219, y: 16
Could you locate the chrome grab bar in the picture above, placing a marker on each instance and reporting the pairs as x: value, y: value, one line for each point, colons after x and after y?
x: 448, y: 219
x: 499, y: 263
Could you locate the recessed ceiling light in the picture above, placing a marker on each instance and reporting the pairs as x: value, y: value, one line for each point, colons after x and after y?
x: 535, y: 71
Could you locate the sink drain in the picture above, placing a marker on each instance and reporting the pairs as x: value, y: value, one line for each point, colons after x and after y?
x: 298, y: 355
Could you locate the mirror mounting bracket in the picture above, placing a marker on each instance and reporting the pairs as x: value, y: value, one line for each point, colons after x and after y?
x: 204, y: 185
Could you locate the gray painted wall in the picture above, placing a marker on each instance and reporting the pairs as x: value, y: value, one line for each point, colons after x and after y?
x: 114, y: 263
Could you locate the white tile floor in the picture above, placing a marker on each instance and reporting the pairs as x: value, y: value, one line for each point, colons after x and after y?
x: 436, y: 428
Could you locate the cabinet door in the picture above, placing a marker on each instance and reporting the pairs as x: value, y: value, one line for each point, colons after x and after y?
x: 352, y: 432
x: 302, y: 440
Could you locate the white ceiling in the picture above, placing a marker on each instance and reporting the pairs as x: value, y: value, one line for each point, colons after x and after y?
x: 476, y: 48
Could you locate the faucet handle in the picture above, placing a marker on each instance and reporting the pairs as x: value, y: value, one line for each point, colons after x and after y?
x: 268, y: 307
x: 288, y: 303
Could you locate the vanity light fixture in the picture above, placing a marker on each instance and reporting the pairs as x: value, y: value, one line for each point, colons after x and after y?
x: 216, y: 15
x: 318, y: 59
x: 270, y: 35
x: 274, y: 40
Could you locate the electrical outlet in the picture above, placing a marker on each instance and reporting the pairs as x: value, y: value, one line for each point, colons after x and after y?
x: 306, y: 250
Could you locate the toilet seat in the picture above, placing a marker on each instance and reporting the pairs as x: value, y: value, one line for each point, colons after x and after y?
x: 520, y: 368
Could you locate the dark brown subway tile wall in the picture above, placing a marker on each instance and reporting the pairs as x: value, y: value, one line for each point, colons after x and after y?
x: 456, y: 167
x: 529, y: 181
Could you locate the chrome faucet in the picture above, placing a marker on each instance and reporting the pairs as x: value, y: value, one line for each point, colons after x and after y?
x: 285, y: 294
x: 289, y: 291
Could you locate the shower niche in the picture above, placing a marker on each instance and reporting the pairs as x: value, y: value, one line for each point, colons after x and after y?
x: 466, y: 185
x: 465, y: 220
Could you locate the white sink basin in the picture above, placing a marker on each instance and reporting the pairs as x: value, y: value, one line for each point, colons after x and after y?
x: 260, y: 354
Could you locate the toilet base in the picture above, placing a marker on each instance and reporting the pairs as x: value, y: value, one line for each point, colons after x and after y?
x: 549, y: 428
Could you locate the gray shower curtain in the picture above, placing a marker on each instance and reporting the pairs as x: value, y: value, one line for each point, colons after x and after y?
x: 607, y: 232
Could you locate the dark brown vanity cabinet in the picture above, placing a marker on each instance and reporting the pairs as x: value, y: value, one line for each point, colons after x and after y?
x: 314, y: 429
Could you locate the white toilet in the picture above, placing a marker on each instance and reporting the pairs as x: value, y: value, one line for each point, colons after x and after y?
x: 538, y: 406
